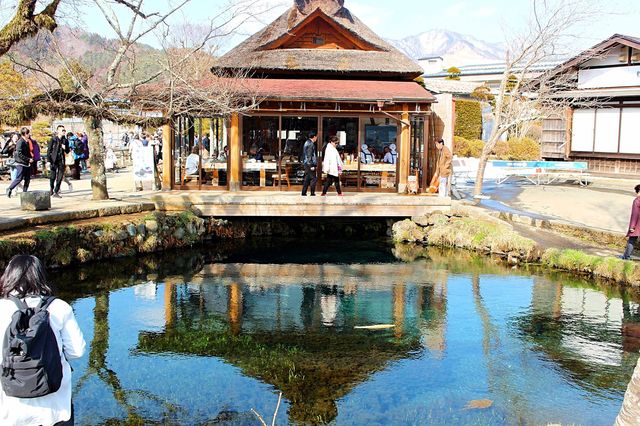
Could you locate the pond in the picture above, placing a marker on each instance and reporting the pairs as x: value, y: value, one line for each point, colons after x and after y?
x: 207, y: 336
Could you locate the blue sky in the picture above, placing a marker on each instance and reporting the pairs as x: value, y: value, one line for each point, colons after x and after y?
x: 485, y: 20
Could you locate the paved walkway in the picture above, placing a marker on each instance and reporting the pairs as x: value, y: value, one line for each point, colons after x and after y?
x: 75, y: 205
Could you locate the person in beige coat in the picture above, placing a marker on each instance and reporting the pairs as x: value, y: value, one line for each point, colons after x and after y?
x: 443, y: 170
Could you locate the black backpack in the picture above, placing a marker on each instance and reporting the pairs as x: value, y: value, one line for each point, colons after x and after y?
x: 31, y: 363
x: 78, y: 148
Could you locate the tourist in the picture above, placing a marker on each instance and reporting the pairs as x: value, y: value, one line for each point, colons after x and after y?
x: 85, y: 154
x: 310, y: 163
x: 8, y: 151
x: 35, y: 153
x: 443, y: 169
x: 391, y: 155
x: 24, y: 158
x: 634, y: 226
x: 77, y: 151
x: 224, y: 155
x: 193, y: 162
x: 57, y: 149
x: 25, y: 282
x: 366, y: 157
x: 206, y: 142
x: 332, y: 166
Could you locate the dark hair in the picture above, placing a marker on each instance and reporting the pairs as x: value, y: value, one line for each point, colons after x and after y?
x: 334, y: 139
x: 195, y: 149
x: 313, y: 134
x: 60, y: 125
x: 441, y: 141
x: 637, y: 188
x: 25, y: 131
x: 25, y: 275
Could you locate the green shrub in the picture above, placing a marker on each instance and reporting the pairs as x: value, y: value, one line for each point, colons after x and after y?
x: 467, y: 148
x: 523, y: 149
x: 468, y: 119
x: 519, y: 149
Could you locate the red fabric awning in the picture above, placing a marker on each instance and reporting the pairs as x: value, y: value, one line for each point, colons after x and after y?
x: 337, y: 90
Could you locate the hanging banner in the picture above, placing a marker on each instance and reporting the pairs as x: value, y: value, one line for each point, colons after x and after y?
x: 143, y: 164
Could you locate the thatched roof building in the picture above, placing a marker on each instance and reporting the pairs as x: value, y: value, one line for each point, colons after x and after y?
x: 319, y: 37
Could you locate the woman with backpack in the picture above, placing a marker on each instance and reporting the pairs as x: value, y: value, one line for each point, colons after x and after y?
x: 53, y: 336
x: 77, y: 150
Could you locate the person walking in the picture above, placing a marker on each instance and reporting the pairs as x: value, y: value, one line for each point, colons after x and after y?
x: 9, y: 150
x: 23, y: 156
x: 332, y: 166
x: 310, y: 163
x: 634, y: 226
x: 85, y: 150
x: 443, y: 169
x: 24, y: 282
x: 56, y: 150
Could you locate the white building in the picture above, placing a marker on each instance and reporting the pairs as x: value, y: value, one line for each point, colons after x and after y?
x: 603, y: 125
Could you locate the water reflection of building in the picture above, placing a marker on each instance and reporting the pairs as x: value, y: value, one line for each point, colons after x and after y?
x: 582, y: 330
x: 293, y: 325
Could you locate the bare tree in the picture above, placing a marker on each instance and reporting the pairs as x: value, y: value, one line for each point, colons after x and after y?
x: 524, y: 97
x: 26, y: 23
x: 124, y: 93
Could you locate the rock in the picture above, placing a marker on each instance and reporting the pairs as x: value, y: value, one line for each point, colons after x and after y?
x: 421, y: 220
x: 142, y: 230
x: 408, y: 231
x: 98, y: 233
x: 191, y: 228
x: 121, y: 235
x: 151, y: 226
x: 438, y: 219
x: 178, y: 234
x: 132, y: 230
x: 35, y: 200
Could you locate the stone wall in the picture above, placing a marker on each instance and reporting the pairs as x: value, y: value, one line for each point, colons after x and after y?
x: 121, y: 236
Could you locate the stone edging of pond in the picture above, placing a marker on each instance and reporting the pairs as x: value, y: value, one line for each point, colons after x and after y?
x: 86, y: 241
x: 485, y: 233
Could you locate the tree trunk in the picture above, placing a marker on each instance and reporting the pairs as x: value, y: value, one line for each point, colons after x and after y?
x: 482, y: 165
x: 630, y: 412
x: 93, y: 126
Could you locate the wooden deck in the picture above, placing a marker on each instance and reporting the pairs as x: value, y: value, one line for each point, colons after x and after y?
x: 278, y: 204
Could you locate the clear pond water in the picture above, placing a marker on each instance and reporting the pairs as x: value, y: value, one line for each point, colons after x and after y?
x: 203, y: 337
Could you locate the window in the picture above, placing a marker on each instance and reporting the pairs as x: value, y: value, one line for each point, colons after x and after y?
x: 630, y: 131
x: 582, y: 130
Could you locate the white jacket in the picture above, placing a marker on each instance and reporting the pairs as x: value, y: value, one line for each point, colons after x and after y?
x: 55, y: 407
x: 331, y: 163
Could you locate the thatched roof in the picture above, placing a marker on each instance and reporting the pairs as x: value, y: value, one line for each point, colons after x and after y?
x: 374, y: 56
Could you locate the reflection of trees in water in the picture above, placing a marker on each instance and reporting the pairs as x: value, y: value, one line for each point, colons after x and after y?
x: 98, y: 367
x: 499, y: 376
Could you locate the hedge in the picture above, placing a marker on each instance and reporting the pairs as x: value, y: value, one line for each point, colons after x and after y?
x: 468, y: 119
x: 467, y: 148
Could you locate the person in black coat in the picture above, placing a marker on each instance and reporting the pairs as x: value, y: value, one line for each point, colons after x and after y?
x: 57, y: 148
x: 24, y: 159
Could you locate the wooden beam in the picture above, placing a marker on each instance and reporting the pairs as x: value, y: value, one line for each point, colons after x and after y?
x: 404, y: 151
x: 235, y: 159
x: 168, y: 137
x: 569, y: 131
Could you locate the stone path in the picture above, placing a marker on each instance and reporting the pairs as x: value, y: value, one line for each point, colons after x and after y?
x: 74, y: 205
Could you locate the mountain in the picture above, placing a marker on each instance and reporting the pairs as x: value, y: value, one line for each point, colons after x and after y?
x: 456, y: 49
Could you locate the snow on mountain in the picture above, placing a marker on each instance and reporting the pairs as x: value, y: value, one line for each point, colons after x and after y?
x: 456, y: 49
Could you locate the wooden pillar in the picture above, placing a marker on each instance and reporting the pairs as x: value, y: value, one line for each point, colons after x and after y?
x: 568, y: 117
x: 235, y: 159
x: 405, y: 151
x: 167, y: 156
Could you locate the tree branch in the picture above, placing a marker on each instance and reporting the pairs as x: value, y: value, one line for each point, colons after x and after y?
x: 25, y: 23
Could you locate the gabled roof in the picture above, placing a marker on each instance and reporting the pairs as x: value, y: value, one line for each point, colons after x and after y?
x: 603, y: 46
x: 263, y: 51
